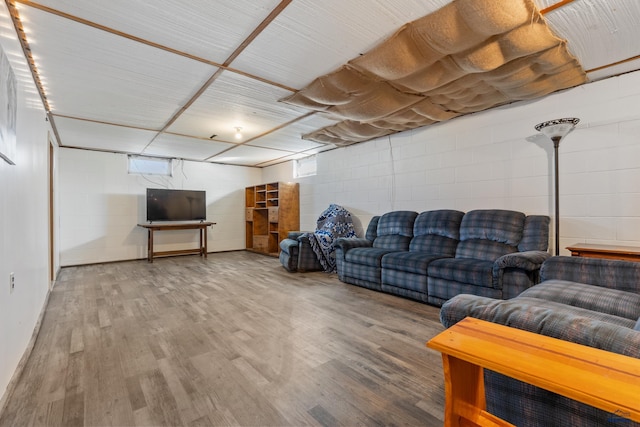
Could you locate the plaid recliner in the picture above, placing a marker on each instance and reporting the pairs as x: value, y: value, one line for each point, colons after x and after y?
x: 359, y: 261
x: 296, y: 253
x: 499, y: 256
x: 588, y: 301
x: 435, y: 235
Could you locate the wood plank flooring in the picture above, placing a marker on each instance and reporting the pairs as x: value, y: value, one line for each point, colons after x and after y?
x: 233, y: 339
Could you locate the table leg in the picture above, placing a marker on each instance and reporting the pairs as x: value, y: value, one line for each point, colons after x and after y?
x: 464, y: 390
x: 150, y: 250
x: 204, y: 230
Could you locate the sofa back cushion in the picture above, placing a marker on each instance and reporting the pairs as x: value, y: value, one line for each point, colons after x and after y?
x: 437, y: 232
x: 395, y: 230
x: 608, y: 273
x: 372, y: 229
x: 535, y: 236
x: 487, y: 234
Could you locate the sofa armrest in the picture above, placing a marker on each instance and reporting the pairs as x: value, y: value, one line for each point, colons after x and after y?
x: 346, y: 243
x: 289, y: 246
x: 516, y: 272
x: 528, y: 260
x: 566, y: 325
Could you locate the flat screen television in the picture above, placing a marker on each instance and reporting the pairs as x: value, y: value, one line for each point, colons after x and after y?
x: 176, y: 205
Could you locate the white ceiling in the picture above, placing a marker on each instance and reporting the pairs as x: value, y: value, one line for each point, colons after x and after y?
x: 162, y: 77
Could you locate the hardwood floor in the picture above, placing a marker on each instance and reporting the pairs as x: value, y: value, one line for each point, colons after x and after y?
x: 229, y: 340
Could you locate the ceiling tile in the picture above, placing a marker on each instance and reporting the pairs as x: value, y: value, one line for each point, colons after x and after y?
x: 234, y: 100
x: 310, y: 38
x: 100, y: 136
x: 91, y: 74
x: 168, y: 145
x: 210, y: 30
x: 599, y: 32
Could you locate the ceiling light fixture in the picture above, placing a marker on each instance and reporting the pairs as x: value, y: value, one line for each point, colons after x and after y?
x: 556, y: 130
x: 238, y: 133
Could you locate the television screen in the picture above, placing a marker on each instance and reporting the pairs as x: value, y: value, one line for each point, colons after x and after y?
x: 176, y: 205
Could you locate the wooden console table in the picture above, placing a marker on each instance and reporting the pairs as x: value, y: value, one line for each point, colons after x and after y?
x: 599, y: 378
x: 589, y: 250
x: 201, y: 250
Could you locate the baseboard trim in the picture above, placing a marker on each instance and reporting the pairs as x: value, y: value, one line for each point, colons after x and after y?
x: 25, y: 356
x: 143, y: 259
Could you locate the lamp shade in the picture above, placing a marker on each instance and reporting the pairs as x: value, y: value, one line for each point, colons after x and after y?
x: 557, y: 128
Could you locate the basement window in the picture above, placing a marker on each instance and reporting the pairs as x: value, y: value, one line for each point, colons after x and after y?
x: 306, y: 166
x: 143, y: 165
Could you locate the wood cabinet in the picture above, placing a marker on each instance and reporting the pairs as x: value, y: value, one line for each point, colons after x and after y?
x: 271, y: 211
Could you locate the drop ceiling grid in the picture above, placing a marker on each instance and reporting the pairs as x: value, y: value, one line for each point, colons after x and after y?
x: 104, y: 137
x: 92, y: 74
x: 284, y: 159
x: 167, y: 145
x: 610, y: 23
x: 615, y: 70
x: 234, y: 100
x: 208, y: 29
x: 290, y: 137
x: 311, y: 38
x: 248, y: 156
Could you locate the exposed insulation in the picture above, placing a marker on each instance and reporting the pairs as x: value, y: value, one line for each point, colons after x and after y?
x: 468, y: 56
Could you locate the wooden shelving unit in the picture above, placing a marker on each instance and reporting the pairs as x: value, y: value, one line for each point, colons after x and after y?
x: 271, y: 211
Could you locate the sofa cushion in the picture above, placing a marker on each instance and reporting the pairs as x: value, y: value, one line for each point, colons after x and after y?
x: 486, y: 250
x: 392, y: 242
x: 396, y: 223
x: 535, y: 235
x: 411, y: 262
x: 434, y: 244
x: 474, y: 271
x: 590, y: 297
x: 392, y: 280
x: 493, y: 224
x: 436, y: 232
x: 366, y: 256
x: 637, y: 327
x: 606, y: 273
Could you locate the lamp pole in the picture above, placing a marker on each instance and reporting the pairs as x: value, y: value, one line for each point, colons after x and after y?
x: 556, y: 144
x: 555, y: 130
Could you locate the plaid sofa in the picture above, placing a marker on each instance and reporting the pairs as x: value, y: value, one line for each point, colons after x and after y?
x: 589, y: 301
x: 442, y: 253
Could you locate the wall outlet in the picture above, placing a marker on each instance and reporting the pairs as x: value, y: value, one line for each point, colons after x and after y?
x: 12, y: 282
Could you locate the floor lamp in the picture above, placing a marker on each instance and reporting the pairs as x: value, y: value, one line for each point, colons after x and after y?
x: 556, y: 130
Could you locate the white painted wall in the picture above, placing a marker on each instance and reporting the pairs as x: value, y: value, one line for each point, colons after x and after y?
x: 496, y: 159
x: 101, y: 205
x: 24, y: 227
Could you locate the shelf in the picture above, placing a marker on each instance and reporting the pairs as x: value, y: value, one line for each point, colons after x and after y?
x: 272, y: 210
